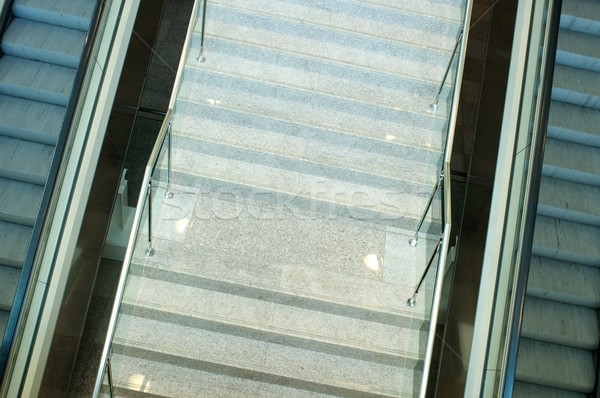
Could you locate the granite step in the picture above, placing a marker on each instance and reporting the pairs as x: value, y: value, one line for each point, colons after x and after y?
x: 555, y: 366
x: 317, y: 75
x: 574, y: 123
x: 572, y: 162
x: 74, y: 14
x: 569, y: 201
x: 578, y: 50
x: 263, y: 320
x: 43, y: 42
x: 566, y: 241
x: 580, y: 16
x: 19, y: 202
x: 37, y: 81
x: 159, y: 379
x: 564, y: 282
x: 43, y: 124
x: 9, y: 278
x: 302, y: 38
x: 576, y: 86
x: 268, y: 145
x: 571, y: 325
x: 528, y: 390
x: 286, y: 283
x: 365, y: 18
x: 447, y: 9
x: 25, y: 161
x: 261, y: 361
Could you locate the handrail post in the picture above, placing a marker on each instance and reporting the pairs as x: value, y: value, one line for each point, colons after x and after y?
x: 434, y: 105
x: 150, y: 250
x: 109, y: 376
x: 413, y: 300
x: 201, y: 53
x: 169, y: 193
x: 413, y: 241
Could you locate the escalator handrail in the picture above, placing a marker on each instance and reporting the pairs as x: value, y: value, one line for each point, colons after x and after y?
x: 509, y: 373
x: 42, y: 220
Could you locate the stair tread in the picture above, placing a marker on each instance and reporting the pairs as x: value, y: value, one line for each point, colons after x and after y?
x: 197, y: 348
x: 9, y: 279
x: 36, y: 80
x: 317, y: 75
x: 581, y: 15
x: 559, y: 323
x: 574, y: 123
x: 14, y: 241
x: 19, y: 202
x: 303, y: 155
x: 43, y: 124
x: 451, y: 10
x: 268, y: 321
x: 568, y: 241
x: 576, y: 86
x: 569, y: 201
x: 43, y: 42
x: 308, y: 39
x: 366, y: 18
x: 555, y: 366
x: 564, y: 282
x: 24, y: 160
x: 578, y: 50
x: 528, y: 390
x: 571, y: 161
x: 74, y: 14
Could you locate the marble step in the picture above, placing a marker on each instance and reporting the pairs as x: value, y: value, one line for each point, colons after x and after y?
x: 571, y: 325
x: 313, y: 109
x: 555, y: 366
x: 528, y: 390
x: 206, y: 266
x: 365, y: 18
x: 19, y: 202
x: 447, y: 9
x: 159, y: 379
x: 564, y: 282
x: 578, y: 50
x: 569, y: 201
x: 9, y: 279
x: 572, y: 162
x: 318, y: 75
x: 261, y: 361
x: 43, y: 42
x: 263, y: 320
x: 574, y: 123
x: 304, y: 151
x: 576, y: 86
x: 37, y: 81
x: 567, y: 241
x: 581, y: 16
x: 25, y: 161
x: 303, y: 38
x: 43, y: 124
x: 75, y: 14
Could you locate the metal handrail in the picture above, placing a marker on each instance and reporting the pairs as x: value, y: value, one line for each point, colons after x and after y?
x: 515, y: 322
x: 44, y: 211
x: 164, y: 134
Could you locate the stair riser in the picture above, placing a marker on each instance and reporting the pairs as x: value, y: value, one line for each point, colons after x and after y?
x: 33, y: 94
x: 571, y: 175
x: 579, y: 24
x: 23, y: 177
x: 564, y: 255
x: 579, y: 137
x: 575, y: 98
x: 27, y: 135
x: 40, y: 55
x: 567, y: 214
x: 578, y: 61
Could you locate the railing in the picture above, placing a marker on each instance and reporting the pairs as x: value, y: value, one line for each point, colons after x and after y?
x: 149, y: 182
x: 443, y: 188
x: 53, y: 181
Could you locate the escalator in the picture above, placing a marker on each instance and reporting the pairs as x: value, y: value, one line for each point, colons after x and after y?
x: 559, y: 333
x: 42, y: 48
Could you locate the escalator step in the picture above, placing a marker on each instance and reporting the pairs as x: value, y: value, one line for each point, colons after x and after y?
x: 19, y: 202
x: 527, y: 390
x: 25, y: 161
x: 75, y: 14
x: 9, y: 279
x: 14, y: 241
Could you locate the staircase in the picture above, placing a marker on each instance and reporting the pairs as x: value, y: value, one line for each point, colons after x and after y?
x: 304, y: 153
x: 41, y: 51
x: 560, y: 333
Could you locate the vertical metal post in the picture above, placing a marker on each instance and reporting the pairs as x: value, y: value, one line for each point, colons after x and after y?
x: 413, y: 241
x: 109, y: 377
x: 413, y: 300
x: 201, y: 53
x: 150, y: 250
x: 168, y: 193
x: 434, y: 105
